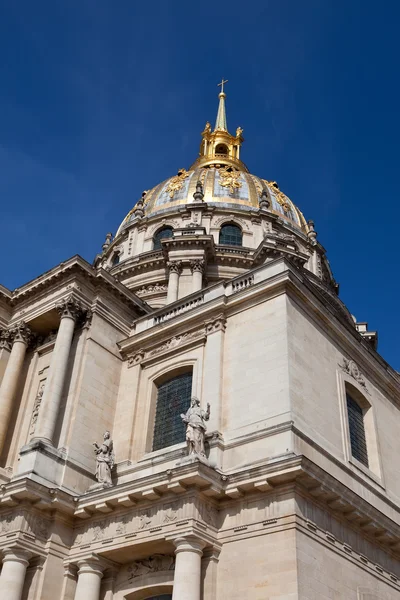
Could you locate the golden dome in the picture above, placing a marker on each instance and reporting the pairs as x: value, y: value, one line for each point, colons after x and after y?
x: 225, y: 179
x: 223, y: 187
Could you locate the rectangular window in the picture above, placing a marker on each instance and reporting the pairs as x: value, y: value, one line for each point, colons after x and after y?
x: 173, y: 398
x: 358, y: 442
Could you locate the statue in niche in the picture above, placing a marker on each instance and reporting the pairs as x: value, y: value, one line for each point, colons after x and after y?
x: 195, y: 419
x: 105, y: 460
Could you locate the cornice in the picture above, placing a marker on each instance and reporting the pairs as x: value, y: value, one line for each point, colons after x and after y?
x: 77, y: 266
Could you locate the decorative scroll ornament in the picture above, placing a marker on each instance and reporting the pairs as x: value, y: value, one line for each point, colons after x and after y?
x: 176, y: 183
x: 350, y: 367
x: 229, y: 179
x: 279, y: 196
x: 157, y: 562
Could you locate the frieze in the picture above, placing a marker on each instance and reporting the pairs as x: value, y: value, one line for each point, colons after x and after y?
x: 153, y: 564
x: 351, y: 368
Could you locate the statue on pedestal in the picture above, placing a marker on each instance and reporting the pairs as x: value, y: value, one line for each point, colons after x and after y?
x: 195, y: 419
x: 105, y: 460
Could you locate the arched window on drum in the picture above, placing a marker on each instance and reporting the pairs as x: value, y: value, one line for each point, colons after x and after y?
x: 161, y: 234
x: 230, y: 235
x: 173, y: 398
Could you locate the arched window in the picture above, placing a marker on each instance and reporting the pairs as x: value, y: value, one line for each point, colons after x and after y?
x: 173, y: 398
x: 161, y: 234
x: 115, y: 259
x: 358, y: 442
x: 221, y: 149
x: 230, y: 235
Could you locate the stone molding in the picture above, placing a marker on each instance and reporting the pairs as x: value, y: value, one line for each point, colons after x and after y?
x: 351, y: 368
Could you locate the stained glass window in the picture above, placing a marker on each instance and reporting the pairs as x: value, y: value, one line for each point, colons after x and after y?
x: 173, y: 398
x: 230, y: 235
x: 358, y: 442
x: 165, y: 232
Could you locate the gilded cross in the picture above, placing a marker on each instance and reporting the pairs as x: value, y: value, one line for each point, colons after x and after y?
x: 222, y: 84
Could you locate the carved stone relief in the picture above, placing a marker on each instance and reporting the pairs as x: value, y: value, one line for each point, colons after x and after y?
x: 173, y: 342
x: 350, y: 367
x: 36, y: 406
x: 157, y: 562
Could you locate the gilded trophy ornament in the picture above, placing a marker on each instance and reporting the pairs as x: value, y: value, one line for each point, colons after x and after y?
x: 176, y: 183
x: 279, y: 196
x: 229, y: 179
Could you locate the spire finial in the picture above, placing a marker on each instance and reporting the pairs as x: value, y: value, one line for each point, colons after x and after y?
x: 220, y: 123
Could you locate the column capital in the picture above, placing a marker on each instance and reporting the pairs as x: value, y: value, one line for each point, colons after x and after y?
x: 217, y: 323
x: 69, y: 308
x: 189, y: 543
x: 19, y: 555
x: 174, y: 266
x: 21, y: 333
x: 91, y: 565
x: 198, y: 265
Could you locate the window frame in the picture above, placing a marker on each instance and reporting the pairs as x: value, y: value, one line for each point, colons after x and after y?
x: 230, y: 224
x: 157, y: 232
x: 348, y: 386
x: 163, y: 381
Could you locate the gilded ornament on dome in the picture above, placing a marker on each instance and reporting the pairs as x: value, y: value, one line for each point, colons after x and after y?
x: 279, y: 196
x: 176, y: 183
x: 229, y: 179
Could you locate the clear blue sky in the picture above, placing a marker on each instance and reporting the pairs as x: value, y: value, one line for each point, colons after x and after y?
x: 100, y: 100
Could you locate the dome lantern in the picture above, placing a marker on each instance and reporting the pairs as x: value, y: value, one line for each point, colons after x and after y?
x: 219, y: 147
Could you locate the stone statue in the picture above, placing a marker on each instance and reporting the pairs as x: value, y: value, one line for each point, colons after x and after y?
x: 196, y: 428
x: 104, y: 460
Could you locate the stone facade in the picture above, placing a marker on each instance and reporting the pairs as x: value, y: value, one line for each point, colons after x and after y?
x: 281, y: 508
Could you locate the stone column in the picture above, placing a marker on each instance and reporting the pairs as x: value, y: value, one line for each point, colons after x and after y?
x: 20, y: 336
x: 213, y: 366
x: 197, y: 267
x: 89, y: 580
x: 69, y: 310
x: 175, y: 268
x: 12, y: 579
x: 187, y: 577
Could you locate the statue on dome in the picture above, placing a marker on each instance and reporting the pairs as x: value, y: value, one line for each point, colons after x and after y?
x: 239, y: 132
x: 195, y: 419
x: 207, y: 128
x: 105, y: 460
